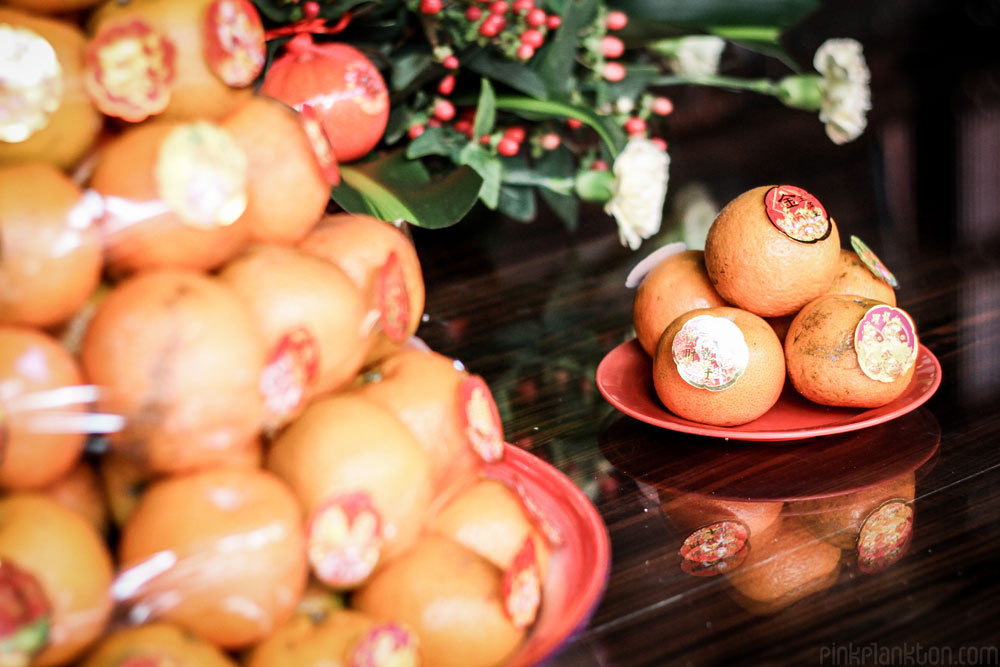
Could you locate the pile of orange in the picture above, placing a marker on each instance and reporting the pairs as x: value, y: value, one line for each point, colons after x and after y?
x: 773, y: 297
x: 171, y: 278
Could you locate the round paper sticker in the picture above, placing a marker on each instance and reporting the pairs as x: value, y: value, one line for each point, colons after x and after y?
x: 234, y: 41
x: 387, y: 643
x: 871, y: 260
x: 128, y: 69
x: 715, y: 549
x: 290, y: 370
x: 319, y: 140
x: 798, y: 214
x: 522, y: 586
x: 31, y: 83
x: 710, y: 352
x: 884, y: 536
x: 201, y: 174
x: 393, y: 299
x: 27, y: 614
x: 344, y: 540
x: 885, y: 341
x: 480, y: 418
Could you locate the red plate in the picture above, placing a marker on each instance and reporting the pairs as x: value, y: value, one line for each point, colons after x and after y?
x: 578, y: 567
x: 625, y: 379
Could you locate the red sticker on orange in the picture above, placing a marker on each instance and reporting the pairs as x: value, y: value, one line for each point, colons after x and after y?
x: 884, y: 536
x: 128, y: 69
x: 393, y: 299
x: 715, y: 549
x: 290, y: 370
x: 522, y: 586
x: 710, y: 352
x: 320, y: 142
x: 871, y: 260
x: 344, y: 540
x: 480, y: 418
x: 885, y: 341
x: 798, y: 214
x: 234, y: 41
x: 27, y: 614
x: 385, y: 644
x: 31, y: 83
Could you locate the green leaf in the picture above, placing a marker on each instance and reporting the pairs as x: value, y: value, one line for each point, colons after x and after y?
x: 595, y: 186
x: 393, y: 187
x: 408, y: 66
x: 558, y: 166
x: 701, y: 14
x: 514, y: 74
x: 486, y: 112
x: 556, y: 61
x: 489, y: 168
x: 518, y: 202
x: 610, y: 133
x: 566, y: 207
x: 433, y: 141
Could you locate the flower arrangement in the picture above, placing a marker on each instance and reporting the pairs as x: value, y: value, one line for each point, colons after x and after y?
x: 509, y: 102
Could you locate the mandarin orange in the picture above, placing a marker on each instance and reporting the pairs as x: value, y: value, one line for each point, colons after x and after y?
x: 155, y: 645
x: 855, y: 278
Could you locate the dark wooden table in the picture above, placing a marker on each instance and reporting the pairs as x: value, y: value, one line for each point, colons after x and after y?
x: 534, y: 308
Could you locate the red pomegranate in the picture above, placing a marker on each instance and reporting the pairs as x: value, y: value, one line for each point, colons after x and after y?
x: 341, y: 85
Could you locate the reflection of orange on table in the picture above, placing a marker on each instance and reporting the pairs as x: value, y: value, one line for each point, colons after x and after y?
x: 690, y: 512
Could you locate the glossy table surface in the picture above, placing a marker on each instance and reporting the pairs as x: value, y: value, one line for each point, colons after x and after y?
x: 534, y: 309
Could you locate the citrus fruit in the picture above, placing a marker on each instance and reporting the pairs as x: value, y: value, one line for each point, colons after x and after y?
x: 451, y: 597
x: 780, y: 325
x: 691, y: 511
x: 52, y: 6
x: 340, y: 84
x: 173, y: 194
x: 312, y: 318
x: 219, y: 553
x: 155, y: 645
x: 721, y: 366
x: 287, y: 190
x: 855, y: 278
x: 40, y: 435
x: 451, y: 413
x: 80, y: 490
x: 178, y: 354
x: 849, y: 351
x: 677, y: 284
x: 384, y: 265
x: 782, y: 570
x: 51, y: 254
x: 772, y: 250
x: 66, y: 559
x: 48, y: 116
x: 362, y: 479
x: 338, y: 637
x: 182, y: 59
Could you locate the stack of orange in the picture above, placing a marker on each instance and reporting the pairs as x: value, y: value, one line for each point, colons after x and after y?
x: 171, y: 278
x: 772, y: 297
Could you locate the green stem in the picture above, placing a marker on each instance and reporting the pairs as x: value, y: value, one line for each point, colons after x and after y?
x: 562, y: 110
x: 762, y: 86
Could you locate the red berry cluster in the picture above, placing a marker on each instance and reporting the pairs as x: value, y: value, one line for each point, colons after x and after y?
x: 612, y: 47
x: 521, y: 25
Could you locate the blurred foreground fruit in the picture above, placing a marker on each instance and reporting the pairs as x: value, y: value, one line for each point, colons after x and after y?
x: 154, y: 645
x: 80, y: 490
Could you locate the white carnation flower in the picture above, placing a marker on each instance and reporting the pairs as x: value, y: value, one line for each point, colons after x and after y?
x: 641, y: 174
x: 697, y: 55
x: 846, y: 95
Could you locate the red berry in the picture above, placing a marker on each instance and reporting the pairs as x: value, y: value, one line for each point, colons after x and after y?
x: 612, y: 47
x: 416, y: 131
x: 573, y: 123
x: 450, y: 62
x: 515, y: 132
x: 492, y: 26
x: 635, y: 125
x: 433, y: 122
x: 536, y: 18
x: 551, y: 141
x: 508, y: 147
x: 616, y: 20
x: 523, y: 5
x: 447, y: 85
x: 525, y: 51
x: 599, y: 165
x: 463, y: 126
x: 532, y: 38
x: 430, y: 6
x: 473, y: 13
x: 485, y: 139
x: 659, y: 143
x: 310, y: 10
x: 554, y: 21
x: 498, y: 8
x: 444, y: 110
x: 662, y: 106
x: 613, y: 71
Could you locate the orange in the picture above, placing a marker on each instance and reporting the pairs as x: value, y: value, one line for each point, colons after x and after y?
x: 173, y: 197
x: 39, y: 433
x: 725, y: 368
x: 80, y: 490
x: 338, y: 637
x: 828, y: 364
x: 783, y: 569
x: 772, y: 250
x: 155, y: 644
x: 60, y: 137
x: 676, y: 285
x: 52, y: 6
x: 442, y: 405
x: 453, y: 600
x: 312, y: 318
x: 384, y: 265
x: 854, y: 278
x: 235, y: 565
x: 288, y: 192
x: 178, y: 354
x: 52, y: 253
x: 691, y: 511
x: 362, y: 479
x: 60, y: 551
x: 780, y: 325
